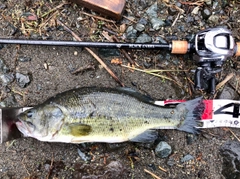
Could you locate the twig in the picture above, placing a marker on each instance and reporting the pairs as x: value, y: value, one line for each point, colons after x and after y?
x: 50, y: 169
x: 153, y: 175
x: 44, y: 23
x: 84, y: 68
x: 222, y: 83
x: 234, y: 135
x: 175, y: 19
x: 98, y: 17
x: 129, y: 19
x: 92, y: 53
x: 54, y: 9
x: 25, y: 166
x: 162, y: 169
x: 125, y: 53
x: 197, y: 3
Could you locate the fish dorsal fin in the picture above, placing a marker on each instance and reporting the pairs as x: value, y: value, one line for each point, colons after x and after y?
x: 77, y: 129
x: 136, y: 94
x: 146, y: 137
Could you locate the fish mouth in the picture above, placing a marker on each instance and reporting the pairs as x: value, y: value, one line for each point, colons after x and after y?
x: 22, y: 127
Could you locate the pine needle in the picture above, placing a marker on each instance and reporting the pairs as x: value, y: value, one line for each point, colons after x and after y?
x: 154, y: 72
x: 153, y: 175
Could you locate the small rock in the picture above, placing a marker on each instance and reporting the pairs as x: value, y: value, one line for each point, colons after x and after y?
x: 131, y: 33
x: 195, y: 10
x: 7, y: 79
x: 83, y: 156
x: 163, y: 149
x: 3, y: 67
x: 3, y: 6
x: 172, y: 11
x: 144, y: 38
x: 191, y: 138
x: 208, y: 2
x: 171, y: 162
x: 228, y: 93
x: 213, y: 19
x: 189, y: 19
x: 24, y: 59
x: 187, y: 158
x: 47, y: 167
x: 143, y: 21
x: 140, y: 27
x: 206, y: 13
x: 230, y: 152
x: 157, y: 23
x: 160, y: 40
x: 22, y: 80
x: 152, y: 10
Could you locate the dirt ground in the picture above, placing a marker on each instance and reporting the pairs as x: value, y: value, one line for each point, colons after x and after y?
x: 50, y: 70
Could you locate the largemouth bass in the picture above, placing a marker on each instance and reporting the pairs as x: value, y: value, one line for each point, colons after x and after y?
x: 93, y: 114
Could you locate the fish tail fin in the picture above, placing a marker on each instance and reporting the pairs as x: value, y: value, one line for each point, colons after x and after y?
x: 193, y: 110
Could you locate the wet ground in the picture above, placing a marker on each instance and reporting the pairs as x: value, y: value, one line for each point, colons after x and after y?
x: 49, y: 70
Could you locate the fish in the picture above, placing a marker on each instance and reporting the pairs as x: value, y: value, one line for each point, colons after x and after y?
x: 108, y: 115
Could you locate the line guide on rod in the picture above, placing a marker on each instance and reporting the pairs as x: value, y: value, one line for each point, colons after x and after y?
x: 211, y: 47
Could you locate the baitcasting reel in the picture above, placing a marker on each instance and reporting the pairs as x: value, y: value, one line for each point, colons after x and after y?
x: 212, y: 46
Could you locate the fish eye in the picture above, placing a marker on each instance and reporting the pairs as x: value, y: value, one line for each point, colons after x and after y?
x: 30, y: 114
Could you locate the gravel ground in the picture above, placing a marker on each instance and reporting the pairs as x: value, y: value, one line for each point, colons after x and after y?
x: 32, y: 74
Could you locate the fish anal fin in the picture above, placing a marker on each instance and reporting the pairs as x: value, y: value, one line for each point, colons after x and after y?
x: 147, y: 136
x: 80, y: 129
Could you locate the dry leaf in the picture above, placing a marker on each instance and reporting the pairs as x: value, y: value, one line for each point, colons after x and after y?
x: 116, y: 61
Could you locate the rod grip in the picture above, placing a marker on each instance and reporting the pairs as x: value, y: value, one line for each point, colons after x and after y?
x: 179, y: 47
x: 238, y: 49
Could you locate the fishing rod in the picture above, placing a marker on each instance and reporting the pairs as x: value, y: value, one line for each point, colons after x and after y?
x: 210, y: 48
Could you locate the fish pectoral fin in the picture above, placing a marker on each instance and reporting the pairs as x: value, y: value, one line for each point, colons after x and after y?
x: 147, y: 136
x: 77, y: 129
x: 78, y: 141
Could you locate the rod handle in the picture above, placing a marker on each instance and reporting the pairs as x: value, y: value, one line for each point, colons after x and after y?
x: 179, y: 47
x: 238, y: 49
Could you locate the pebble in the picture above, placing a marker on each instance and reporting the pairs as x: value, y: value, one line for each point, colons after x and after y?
x: 144, y: 38
x: 140, y: 27
x: 171, y: 161
x: 157, y: 23
x: 195, y: 10
x: 24, y: 59
x: 3, y: 67
x: 160, y: 40
x: 152, y: 10
x: 208, y: 2
x: 143, y: 21
x: 187, y: 158
x: 172, y: 11
x: 228, y: 93
x: 213, y: 19
x: 22, y: 80
x: 7, y: 79
x: 230, y: 152
x: 131, y: 33
x: 206, y: 13
x: 83, y: 156
x: 163, y: 149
